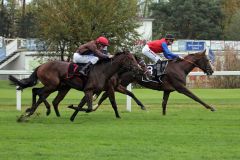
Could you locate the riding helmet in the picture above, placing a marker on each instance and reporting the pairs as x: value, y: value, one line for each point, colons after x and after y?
x: 169, y: 36
x: 102, y: 40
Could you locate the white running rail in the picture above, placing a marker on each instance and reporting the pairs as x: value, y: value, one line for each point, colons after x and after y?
x: 12, y: 47
x: 23, y: 72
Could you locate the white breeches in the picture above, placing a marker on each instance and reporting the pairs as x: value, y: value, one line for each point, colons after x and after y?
x: 78, y: 58
x: 150, y: 54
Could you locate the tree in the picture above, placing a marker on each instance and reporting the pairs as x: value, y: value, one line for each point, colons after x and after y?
x: 232, y: 32
x: 189, y: 19
x: 231, y: 9
x: 64, y: 25
x: 144, y: 8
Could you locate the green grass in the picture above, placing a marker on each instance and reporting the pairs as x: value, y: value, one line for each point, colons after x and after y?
x: 187, y: 132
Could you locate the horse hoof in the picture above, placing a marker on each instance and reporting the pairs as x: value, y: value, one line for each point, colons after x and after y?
x: 71, y: 119
x: 213, y: 109
x: 28, y: 110
x: 70, y: 106
x: 23, y: 118
x: 89, y: 110
x: 48, y: 112
x: 143, y: 108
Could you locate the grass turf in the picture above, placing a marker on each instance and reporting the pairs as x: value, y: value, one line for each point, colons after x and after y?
x: 187, y: 132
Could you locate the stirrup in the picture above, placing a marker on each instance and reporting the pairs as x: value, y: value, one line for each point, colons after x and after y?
x: 82, y: 73
x: 159, y: 79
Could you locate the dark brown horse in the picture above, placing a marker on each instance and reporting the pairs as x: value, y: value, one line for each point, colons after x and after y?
x: 53, y: 76
x: 173, y: 80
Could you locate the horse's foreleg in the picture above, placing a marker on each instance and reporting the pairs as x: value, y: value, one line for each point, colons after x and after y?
x: 188, y: 93
x: 164, y: 102
x: 111, y: 96
x: 103, y: 97
x: 61, y: 94
x: 80, y: 105
x: 79, y: 108
x: 123, y: 90
x: 88, y: 97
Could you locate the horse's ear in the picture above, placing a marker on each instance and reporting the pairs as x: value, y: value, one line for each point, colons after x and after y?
x: 204, y: 52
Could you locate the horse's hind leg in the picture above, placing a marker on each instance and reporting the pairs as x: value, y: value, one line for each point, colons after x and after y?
x: 35, y: 92
x: 43, y: 94
x: 61, y: 94
x: 123, y: 90
x: 164, y: 102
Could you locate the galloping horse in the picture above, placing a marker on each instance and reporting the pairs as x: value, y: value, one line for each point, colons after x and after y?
x: 173, y: 80
x: 53, y: 76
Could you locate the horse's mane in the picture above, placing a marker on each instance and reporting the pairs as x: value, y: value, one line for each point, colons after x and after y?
x: 108, y: 59
x: 197, y: 54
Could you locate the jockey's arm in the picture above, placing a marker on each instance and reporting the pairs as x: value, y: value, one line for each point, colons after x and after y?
x: 167, y: 53
x: 98, y: 53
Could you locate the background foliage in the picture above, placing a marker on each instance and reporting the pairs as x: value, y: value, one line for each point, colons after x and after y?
x: 188, y: 19
x: 64, y: 25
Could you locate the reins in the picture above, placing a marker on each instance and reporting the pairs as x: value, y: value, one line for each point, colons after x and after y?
x: 190, y: 62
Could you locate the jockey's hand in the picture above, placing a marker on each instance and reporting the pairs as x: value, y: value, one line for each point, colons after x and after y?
x: 180, y: 58
x: 110, y: 56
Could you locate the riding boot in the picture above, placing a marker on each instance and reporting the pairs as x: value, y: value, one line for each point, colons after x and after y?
x: 85, y: 69
x: 147, y: 73
x: 158, y: 66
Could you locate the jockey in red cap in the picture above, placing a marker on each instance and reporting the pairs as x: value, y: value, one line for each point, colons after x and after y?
x: 91, y: 52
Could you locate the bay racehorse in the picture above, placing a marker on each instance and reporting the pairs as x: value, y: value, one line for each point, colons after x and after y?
x: 53, y: 76
x: 174, y: 79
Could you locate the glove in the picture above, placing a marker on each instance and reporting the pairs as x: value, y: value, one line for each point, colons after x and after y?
x: 110, y: 56
x: 180, y: 58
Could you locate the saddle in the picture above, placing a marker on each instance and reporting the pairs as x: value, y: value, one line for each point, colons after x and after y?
x: 158, y: 70
x: 73, y: 70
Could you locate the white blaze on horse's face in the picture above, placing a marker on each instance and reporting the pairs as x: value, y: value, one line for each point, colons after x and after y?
x: 204, y: 64
x: 208, y: 66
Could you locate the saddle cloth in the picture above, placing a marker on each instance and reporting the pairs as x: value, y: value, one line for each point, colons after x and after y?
x: 73, y: 69
x: 158, y: 69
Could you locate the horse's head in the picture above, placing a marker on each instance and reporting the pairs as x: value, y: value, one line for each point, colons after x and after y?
x: 128, y: 61
x: 202, y: 61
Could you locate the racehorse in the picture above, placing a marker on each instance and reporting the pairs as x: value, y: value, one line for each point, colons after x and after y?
x: 174, y: 79
x: 53, y: 76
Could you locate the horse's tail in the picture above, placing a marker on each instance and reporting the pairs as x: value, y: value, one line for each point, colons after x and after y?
x: 26, y: 82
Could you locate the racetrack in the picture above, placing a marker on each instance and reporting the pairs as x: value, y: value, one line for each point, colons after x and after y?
x: 187, y: 132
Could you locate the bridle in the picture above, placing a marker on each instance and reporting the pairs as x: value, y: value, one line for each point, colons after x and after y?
x: 193, y: 63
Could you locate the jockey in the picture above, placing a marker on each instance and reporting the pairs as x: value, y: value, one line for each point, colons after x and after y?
x: 90, y: 53
x: 154, y: 48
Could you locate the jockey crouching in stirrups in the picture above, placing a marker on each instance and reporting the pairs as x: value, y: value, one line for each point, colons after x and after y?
x: 154, y: 48
x: 90, y: 53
